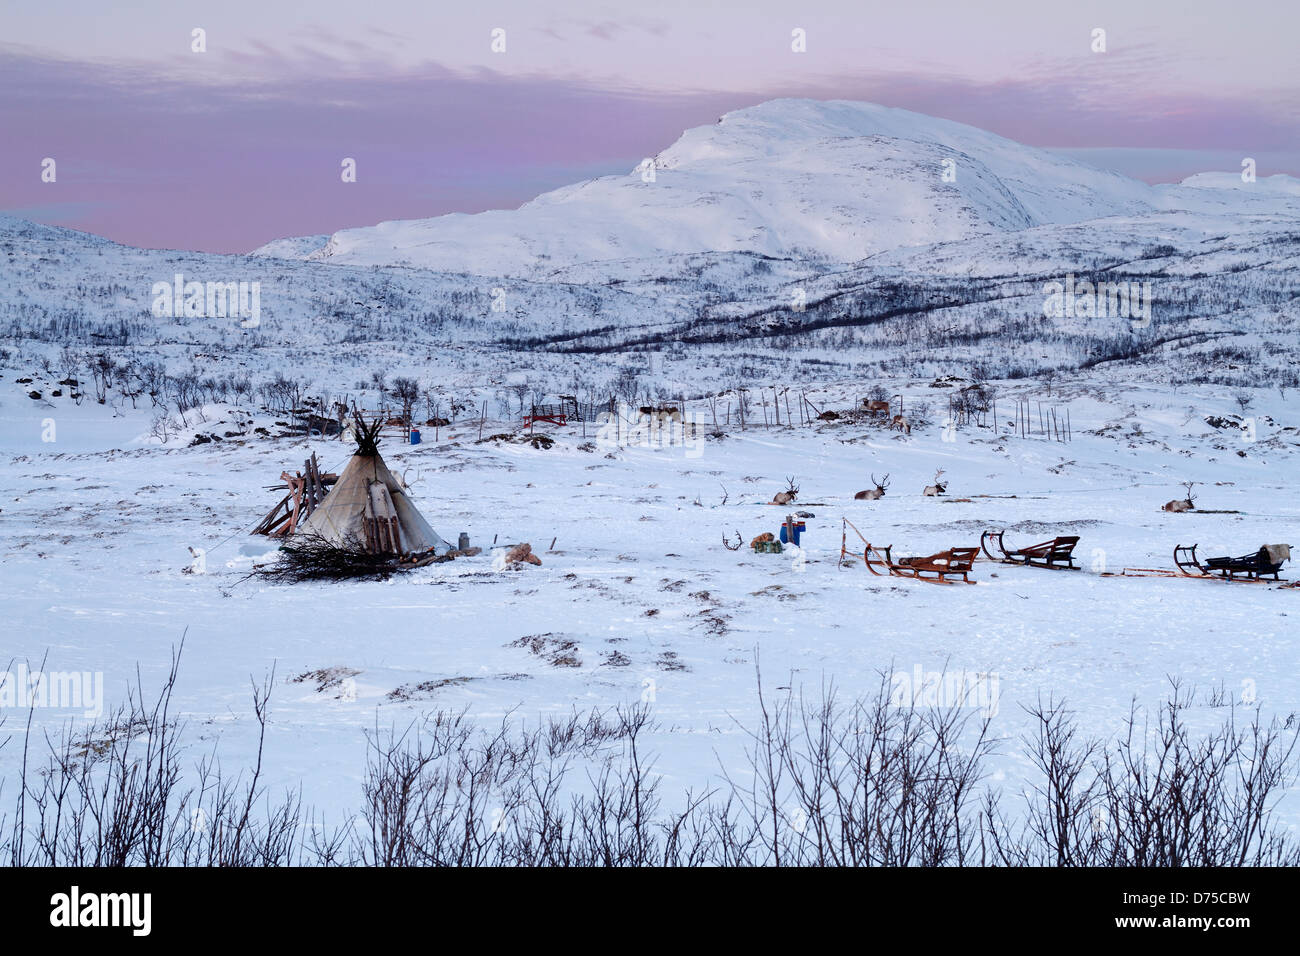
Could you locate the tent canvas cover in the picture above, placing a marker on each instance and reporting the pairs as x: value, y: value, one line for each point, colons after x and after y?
x: 369, y: 507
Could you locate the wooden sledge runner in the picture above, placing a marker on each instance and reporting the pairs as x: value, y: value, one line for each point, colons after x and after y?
x: 1056, y: 554
x: 1253, y: 567
x: 844, y: 544
x: 934, y: 568
x: 1140, y: 573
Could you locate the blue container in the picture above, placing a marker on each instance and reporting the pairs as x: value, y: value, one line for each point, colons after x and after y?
x: 798, y: 532
x: 784, y: 536
x: 415, y: 436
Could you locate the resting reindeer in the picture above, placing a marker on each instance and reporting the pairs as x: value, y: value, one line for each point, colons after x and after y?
x: 1186, y: 504
x: 938, y: 488
x: 785, y: 497
x: 876, y: 493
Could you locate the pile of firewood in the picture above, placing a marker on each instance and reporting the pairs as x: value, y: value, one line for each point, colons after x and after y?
x: 306, y: 490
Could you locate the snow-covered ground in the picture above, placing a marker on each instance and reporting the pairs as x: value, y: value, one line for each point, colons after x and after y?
x: 816, y: 246
x: 637, y: 598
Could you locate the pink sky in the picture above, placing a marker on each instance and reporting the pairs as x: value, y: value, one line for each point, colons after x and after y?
x: 222, y: 151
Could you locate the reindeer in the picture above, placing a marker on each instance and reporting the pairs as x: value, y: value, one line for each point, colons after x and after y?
x: 785, y: 497
x: 938, y: 488
x: 876, y: 406
x: 901, y: 424
x: 1186, y: 504
x: 876, y: 493
x: 661, y: 414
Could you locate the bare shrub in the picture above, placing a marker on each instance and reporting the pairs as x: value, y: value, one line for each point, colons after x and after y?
x: 825, y: 782
x: 311, y: 557
x: 1156, y: 796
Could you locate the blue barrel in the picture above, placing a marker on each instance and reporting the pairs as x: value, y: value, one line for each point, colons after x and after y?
x: 798, y: 532
x: 784, y: 537
x: 415, y: 436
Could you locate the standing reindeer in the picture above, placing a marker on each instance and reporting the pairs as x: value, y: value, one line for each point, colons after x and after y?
x: 785, y: 497
x: 876, y: 406
x: 876, y: 493
x: 938, y: 488
x: 901, y: 423
x: 660, y: 414
x: 1186, y: 504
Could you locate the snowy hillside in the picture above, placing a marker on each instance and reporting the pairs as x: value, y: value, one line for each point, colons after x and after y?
x: 823, y: 230
x: 837, y: 180
x: 297, y: 247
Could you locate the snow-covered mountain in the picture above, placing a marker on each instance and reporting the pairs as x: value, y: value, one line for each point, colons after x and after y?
x: 825, y: 231
x: 788, y: 178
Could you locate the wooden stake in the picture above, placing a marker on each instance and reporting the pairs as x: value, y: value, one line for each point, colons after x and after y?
x: 264, y: 526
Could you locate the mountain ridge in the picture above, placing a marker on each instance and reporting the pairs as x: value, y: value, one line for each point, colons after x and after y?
x: 835, y: 180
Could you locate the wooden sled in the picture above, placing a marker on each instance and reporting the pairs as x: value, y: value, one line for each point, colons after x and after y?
x: 1252, y: 567
x: 935, y: 568
x: 548, y: 414
x: 1056, y: 555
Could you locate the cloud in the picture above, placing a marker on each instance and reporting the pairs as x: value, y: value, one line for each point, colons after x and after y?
x: 608, y: 30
